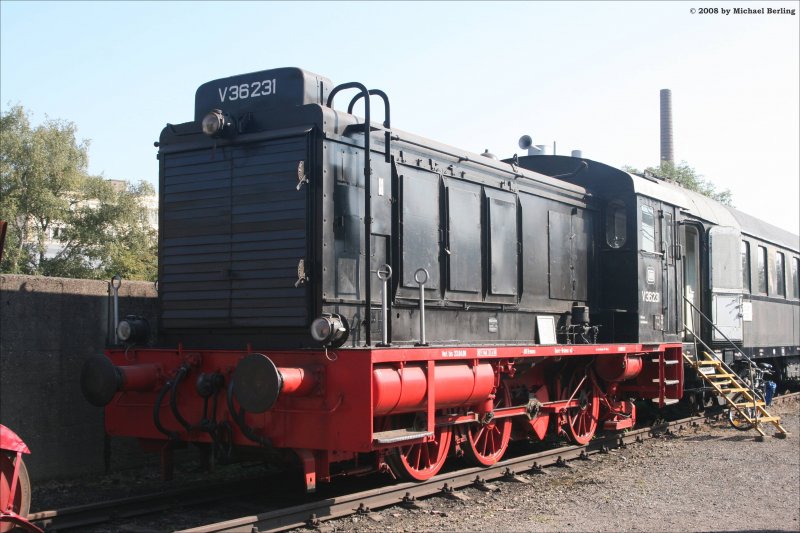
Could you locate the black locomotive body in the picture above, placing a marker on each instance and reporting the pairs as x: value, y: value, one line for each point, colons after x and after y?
x: 262, y: 227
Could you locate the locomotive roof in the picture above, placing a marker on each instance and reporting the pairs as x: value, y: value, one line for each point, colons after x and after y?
x: 567, y: 188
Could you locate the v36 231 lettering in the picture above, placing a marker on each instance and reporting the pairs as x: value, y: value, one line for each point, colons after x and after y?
x: 248, y: 90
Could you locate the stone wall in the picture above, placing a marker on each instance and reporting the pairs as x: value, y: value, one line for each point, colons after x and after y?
x: 48, y: 327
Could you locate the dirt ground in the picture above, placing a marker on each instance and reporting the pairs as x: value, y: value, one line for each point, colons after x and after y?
x: 710, y: 479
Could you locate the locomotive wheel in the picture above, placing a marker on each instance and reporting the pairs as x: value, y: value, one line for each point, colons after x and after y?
x: 486, y: 443
x: 22, y: 496
x: 422, y: 460
x: 580, y: 422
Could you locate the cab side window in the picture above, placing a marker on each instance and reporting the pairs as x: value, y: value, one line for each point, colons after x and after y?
x: 648, y: 229
x: 616, y: 224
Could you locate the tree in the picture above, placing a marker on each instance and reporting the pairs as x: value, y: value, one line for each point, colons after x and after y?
x: 688, y: 178
x: 44, y: 185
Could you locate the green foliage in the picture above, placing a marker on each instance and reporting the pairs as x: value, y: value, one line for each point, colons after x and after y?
x: 688, y: 178
x: 44, y: 186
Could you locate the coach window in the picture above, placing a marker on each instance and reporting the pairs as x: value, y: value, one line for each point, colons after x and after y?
x: 762, y: 270
x: 780, y: 272
x: 648, y: 229
x: 616, y: 230
x: 746, y: 266
x: 795, y: 278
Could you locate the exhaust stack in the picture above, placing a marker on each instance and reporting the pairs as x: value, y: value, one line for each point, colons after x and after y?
x: 667, y: 149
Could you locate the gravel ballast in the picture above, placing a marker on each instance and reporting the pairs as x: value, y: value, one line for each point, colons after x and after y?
x: 708, y: 478
x: 712, y: 478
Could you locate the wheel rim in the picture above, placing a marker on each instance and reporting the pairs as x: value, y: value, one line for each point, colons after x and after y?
x: 580, y: 422
x: 422, y: 460
x: 22, y: 495
x: 735, y: 417
x: 486, y: 443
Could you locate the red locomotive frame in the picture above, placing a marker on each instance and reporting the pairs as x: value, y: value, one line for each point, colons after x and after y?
x: 401, y: 406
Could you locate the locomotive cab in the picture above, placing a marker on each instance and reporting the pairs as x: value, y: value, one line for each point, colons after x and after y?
x: 638, y: 257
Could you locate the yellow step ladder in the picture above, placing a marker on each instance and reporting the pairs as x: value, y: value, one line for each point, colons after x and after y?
x: 737, y: 393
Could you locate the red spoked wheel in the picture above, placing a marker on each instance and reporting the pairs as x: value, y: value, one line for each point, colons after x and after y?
x: 21, y: 503
x: 422, y: 460
x: 487, y: 442
x: 580, y: 422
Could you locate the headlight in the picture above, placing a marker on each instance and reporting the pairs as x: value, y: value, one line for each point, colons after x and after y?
x: 133, y: 329
x: 216, y: 123
x: 329, y: 330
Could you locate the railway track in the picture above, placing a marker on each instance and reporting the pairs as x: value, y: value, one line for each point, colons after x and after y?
x: 516, y: 469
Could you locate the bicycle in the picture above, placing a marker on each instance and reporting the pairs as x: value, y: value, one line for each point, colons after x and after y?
x: 762, y: 389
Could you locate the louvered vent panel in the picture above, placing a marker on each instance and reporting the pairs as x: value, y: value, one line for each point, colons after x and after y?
x: 233, y: 228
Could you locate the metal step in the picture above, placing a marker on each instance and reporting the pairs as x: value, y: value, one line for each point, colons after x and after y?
x: 667, y: 362
x: 667, y: 401
x: 399, y: 435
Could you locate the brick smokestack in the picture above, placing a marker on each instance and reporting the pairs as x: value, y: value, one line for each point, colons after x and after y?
x: 667, y: 150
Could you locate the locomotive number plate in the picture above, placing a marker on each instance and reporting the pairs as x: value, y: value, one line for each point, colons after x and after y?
x: 649, y: 296
x: 248, y: 90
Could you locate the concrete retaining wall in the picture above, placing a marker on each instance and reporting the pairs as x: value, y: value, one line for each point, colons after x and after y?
x: 48, y: 327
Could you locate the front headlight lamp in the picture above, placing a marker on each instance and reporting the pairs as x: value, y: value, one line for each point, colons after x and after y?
x: 133, y: 329
x: 329, y: 330
x: 216, y: 123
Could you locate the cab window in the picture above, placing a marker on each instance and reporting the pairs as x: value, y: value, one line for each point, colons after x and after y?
x: 616, y: 220
x: 648, y: 229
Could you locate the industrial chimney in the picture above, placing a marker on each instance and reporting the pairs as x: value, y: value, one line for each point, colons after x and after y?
x: 667, y: 150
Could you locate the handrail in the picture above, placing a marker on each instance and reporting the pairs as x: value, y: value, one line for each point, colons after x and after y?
x: 367, y: 199
x: 386, y: 117
x: 708, y: 320
x: 365, y: 94
x: 751, y: 364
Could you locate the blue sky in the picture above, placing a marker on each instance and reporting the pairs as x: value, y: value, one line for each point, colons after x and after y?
x: 471, y: 74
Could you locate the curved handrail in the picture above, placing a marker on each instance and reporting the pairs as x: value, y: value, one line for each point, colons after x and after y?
x: 367, y: 198
x: 386, y: 117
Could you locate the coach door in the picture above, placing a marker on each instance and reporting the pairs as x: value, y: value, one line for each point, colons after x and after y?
x: 669, y: 274
x: 651, y: 271
x: 726, y: 282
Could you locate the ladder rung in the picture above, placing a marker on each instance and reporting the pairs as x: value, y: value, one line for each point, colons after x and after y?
x: 721, y: 382
x: 748, y: 404
x: 768, y: 419
x: 667, y: 381
x: 721, y: 375
x: 732, y: 389
x: 709, y: 363
x: 667, y: 362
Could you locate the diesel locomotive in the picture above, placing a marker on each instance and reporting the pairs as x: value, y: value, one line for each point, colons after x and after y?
x: 339, y: 292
